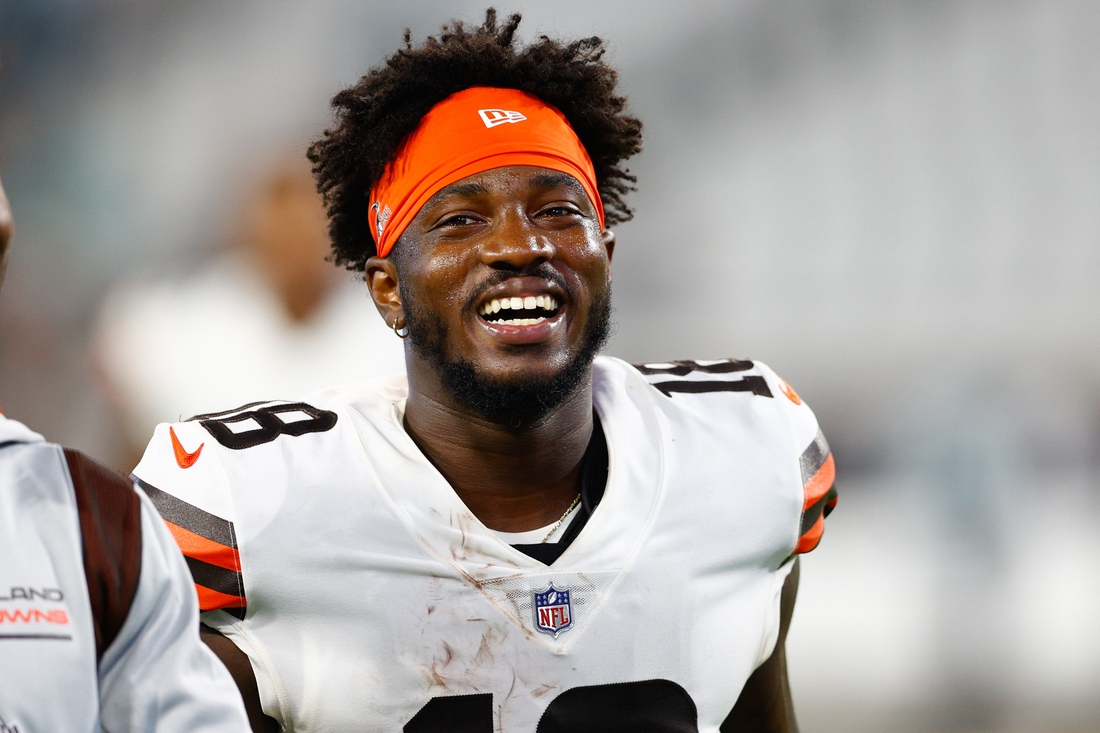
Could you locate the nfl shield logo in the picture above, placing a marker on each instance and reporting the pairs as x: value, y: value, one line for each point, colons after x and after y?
x: 553, y: 611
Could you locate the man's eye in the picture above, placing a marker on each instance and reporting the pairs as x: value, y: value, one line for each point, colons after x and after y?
x: 562, y: 210
x: 458, y: 220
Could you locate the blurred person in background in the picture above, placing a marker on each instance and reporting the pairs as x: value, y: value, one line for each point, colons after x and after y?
x: 269, y: 318
x: 98, y: 621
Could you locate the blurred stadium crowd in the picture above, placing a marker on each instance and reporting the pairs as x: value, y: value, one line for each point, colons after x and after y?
x: 895, y: 204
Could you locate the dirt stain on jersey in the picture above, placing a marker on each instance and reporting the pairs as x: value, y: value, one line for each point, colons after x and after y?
x: 542, y: 690
x: 458, y: 669
x: 461, y: 552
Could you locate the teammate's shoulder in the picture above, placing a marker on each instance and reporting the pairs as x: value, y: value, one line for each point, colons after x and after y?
x: 100, y: 491
x: 13, y: 432
x: 35, y: 473
x: 89, y: 477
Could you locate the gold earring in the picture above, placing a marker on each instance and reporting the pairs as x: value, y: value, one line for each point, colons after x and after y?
x: 397, y: 329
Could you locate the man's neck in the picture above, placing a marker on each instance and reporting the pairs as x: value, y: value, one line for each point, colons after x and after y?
x: 512, y: 479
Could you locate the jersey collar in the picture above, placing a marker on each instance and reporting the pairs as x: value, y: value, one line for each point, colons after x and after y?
x: 434, y: 513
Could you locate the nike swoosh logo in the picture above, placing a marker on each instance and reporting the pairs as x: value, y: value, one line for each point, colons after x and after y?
x: 183, y: 458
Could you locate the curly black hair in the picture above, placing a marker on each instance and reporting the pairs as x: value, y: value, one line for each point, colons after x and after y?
x: 373, y: 117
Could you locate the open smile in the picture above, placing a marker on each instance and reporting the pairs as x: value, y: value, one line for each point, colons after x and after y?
x: 526, y: 310
x: 529, y: 314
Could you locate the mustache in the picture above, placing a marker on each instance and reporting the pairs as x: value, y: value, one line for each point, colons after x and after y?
x: 543, y: 270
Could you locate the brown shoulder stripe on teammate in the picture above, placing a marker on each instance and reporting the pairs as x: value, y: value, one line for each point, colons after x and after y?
x: 819, y: 491
x: 209, y: 545
x: 110, y: 530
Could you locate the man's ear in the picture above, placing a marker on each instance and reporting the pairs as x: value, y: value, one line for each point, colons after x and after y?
x: 608, y: 242
x: 385, y: 290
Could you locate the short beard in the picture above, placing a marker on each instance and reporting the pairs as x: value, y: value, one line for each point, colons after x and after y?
x: 515, y: 405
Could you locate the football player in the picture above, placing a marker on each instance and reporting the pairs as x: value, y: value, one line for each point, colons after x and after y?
x: 515, y: 535
x: 97, y: 616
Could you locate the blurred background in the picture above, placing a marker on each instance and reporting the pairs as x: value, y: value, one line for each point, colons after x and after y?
x: 895, y: 203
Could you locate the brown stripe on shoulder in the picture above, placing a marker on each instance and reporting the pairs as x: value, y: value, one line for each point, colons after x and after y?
x: 190, y: 517
x: 110, y: 527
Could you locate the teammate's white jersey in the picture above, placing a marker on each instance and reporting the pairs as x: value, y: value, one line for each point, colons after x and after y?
x: 97, y: 619
x: 368, y: 597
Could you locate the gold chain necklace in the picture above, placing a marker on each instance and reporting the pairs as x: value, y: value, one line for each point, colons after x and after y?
x: 562, y: 519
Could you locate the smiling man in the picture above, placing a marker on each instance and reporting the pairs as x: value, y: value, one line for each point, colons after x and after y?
x: 517, y: 534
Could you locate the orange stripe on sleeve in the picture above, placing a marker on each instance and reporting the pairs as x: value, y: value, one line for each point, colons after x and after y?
x: 819, y: 498
x: 211, y: 600
x: 820, y: 483
x: 200, y: 548
x: 810, y: 539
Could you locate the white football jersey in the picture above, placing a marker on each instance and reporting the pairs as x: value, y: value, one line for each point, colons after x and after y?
x: 368, y: 597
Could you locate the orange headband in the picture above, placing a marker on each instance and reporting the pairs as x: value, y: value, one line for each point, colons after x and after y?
x: 475, y: 130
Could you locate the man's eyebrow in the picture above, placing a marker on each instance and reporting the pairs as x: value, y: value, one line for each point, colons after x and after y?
x: 460, y: 189
x: 553, y: 180
x: 541, y: 180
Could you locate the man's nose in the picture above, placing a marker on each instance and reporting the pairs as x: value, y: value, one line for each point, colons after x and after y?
x: 515, y: 243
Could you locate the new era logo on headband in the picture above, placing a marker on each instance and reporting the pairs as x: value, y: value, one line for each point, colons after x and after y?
x: 381, y: 216
x: 494, y: 117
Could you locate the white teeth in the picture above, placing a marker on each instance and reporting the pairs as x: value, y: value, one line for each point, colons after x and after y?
x: 529, y: 302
